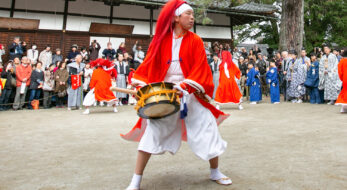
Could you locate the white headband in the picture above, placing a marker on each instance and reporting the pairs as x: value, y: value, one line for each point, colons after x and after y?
x: 184, y: 7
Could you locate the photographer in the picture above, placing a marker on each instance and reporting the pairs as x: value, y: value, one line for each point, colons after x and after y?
x: 94, y: 49
x: 17, y: 48
x: 139, y: 55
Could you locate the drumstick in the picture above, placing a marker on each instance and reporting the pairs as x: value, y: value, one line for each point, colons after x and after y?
x: 123, y: 90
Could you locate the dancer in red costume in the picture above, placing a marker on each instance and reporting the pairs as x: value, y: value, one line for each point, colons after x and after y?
x: 178, y: 56
x: 342, y: 68
x: 100, y: 85
x: 228, y: 91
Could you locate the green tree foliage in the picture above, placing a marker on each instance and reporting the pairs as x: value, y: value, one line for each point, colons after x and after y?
x: 325, y: 22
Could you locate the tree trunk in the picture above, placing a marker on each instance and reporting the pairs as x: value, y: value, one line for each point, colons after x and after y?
x: 292, y: 25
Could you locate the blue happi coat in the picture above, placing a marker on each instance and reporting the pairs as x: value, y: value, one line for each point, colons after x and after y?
x: 254, y: 83
x: 272, y: 79
x: 312, y: 82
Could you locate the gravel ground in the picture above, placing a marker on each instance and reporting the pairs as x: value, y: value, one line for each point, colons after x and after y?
x: 285, y: 146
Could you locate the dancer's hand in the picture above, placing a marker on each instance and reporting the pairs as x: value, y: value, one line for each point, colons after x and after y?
x: 179, y: 93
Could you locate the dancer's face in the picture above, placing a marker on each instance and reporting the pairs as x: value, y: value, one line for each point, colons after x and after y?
x: 186, y: 19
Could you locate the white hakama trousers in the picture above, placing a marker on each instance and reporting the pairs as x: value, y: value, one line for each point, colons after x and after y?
x: 89, y: 99
x: 202, y: 133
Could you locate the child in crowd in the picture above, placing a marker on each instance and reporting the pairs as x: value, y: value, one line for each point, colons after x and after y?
x: 254, y: 83
x: 88, y: 72
x: 272, y: 80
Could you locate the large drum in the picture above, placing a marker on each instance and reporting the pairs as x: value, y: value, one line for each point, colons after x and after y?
x: 157, y: 100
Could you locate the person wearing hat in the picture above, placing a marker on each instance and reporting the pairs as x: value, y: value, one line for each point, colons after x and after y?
x: 46, y: 57
x: 57, y: 57
x: 73, y: 53
x: 328, y: 76
x: 177, y: 55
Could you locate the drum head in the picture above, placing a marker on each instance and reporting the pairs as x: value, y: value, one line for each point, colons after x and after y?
x: 147, y: 88
x: 158, y: 110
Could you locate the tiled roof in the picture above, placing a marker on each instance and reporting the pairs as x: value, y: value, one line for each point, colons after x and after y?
x: 255, y: 7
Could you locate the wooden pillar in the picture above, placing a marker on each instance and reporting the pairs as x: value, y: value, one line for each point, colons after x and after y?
x: 232, y: 31
x: 111, y: 12
x: 151, y: 22
x: 66, y: 8
x: 13, y: 5
x: 62, y: 41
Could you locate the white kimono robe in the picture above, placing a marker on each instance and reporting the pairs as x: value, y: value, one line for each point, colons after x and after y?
x: 165, y: 134
x: 330, y: 81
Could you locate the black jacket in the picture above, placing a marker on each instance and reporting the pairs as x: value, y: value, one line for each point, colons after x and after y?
x: 8, y: 75
x: 262, y: 67
x: 35, y: 79
x: 20, y: 50
x: 72, y: 55
x: 243, y: 68
x: 109, y: 54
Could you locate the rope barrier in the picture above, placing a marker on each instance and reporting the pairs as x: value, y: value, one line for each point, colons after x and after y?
x: 8, y: 104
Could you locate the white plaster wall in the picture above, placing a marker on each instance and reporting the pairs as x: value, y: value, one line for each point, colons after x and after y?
x: 89, y: 7
x: 130, y: 11
x: 75, y: 23
x: 41, y: 5
x: 5, y: 3
x: 219, y: 19
x: 47, y: 21
x: 4, y: 13
x: 213, y: 32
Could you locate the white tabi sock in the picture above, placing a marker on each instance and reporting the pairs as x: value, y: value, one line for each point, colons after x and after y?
x: 219, y: 176
x: 135, y: 182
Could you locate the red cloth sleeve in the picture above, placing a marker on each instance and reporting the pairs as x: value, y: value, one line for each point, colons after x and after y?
x: 340, y: 68
x: 187, y: 87
x: 93, y: 79
x: 200, y: 70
